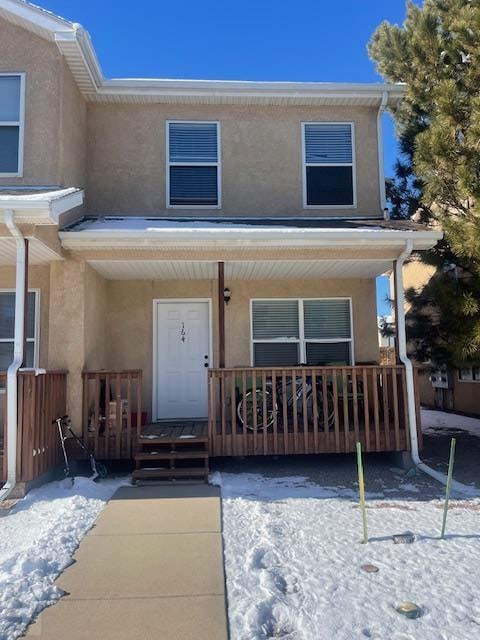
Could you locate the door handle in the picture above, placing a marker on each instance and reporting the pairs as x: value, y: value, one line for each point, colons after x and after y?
x: 206, y: 364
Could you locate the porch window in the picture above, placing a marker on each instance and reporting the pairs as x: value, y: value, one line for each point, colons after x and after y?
x: 7, y: 328
x: 328, y: 164
x: 11, y: 124
x: 193, y: 166
x: 290, y: 332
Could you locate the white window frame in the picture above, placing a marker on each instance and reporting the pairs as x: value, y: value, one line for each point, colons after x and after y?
x: 471, y: 374
x: 217, y: 164
x: 36, y: 337
x: 305, y: 164
x: 301, y: 340
x: 19, y: 123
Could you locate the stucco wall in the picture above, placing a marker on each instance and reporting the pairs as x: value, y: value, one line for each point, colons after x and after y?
x: 260, y: 151
x: 38, y: 278
x: 95, y: 328
x: 130, y: 317
x: 55, y: 112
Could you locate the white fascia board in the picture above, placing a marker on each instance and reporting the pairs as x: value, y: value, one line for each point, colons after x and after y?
x: 43, y: 20
x: 245, y: 89
x: 245, y: 238
x: 43, y: 210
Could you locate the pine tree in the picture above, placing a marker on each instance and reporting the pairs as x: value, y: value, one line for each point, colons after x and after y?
x: 437, y: 54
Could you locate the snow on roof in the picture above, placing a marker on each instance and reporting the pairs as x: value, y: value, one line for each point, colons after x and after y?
x: 34, y: 194
x: 144, y: 224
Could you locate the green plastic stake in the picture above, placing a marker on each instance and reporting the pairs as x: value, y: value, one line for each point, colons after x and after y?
x: 449, y: 485
x: 361, y: 486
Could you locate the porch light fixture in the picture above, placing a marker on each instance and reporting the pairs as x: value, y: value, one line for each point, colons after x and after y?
x: 227, y: 294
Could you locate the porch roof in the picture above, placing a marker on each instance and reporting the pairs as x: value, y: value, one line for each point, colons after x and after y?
x: 138, y: 232
x: 39, y: 204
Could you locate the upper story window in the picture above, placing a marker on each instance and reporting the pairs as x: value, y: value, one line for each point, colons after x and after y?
x: 7, y: 329
x: 328, y: 165
x: 193, y: 167
x: 11, y: 124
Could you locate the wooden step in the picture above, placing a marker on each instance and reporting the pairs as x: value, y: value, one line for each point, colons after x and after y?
x: 170, y: 473
x: 171, y: 455
x: 169, y: 440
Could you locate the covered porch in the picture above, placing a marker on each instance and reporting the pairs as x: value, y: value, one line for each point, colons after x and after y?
x: 276, y: 323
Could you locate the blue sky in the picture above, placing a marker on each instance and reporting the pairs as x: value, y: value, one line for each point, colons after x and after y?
x: 306, y: 40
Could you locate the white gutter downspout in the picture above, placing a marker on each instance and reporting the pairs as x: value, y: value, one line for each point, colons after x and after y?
x: 402, y: 354
x: 381, y: 170
x: 12, y: 381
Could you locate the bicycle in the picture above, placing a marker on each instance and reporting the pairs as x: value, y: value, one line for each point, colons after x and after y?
x: 252, y: 404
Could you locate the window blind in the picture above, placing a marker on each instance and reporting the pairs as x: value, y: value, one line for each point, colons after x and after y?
x: 7, y: 328
x: 191, y: 142
x: 193, y: 185
x: 10, y: 87
x: 327, y: 319
x: 275, y: 319
x: 328, y: 143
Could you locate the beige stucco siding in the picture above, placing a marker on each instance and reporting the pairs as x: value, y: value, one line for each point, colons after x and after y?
x: 260, y: 157
x: 130, y: 317
x: 55, y: 113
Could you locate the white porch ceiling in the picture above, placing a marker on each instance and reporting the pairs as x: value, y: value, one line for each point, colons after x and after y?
x: 244, y: 270
x: 38, y: 253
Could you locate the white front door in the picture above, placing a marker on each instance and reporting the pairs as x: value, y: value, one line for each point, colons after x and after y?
x: 182, y: 359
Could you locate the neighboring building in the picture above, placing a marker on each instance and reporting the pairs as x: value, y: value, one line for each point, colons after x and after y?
x: 444, y: 388
x: 179, y: 227
x: 385, y: 341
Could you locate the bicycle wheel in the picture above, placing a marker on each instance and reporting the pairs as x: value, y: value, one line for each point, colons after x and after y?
x: 251, y: 406
x: 329, y: 413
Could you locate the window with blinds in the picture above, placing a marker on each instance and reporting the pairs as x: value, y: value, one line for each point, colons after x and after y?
x: 290, y: 332
x: 7, y: 328
x: 11, y: 124
x: 193, y: 164
x: 328, y: 164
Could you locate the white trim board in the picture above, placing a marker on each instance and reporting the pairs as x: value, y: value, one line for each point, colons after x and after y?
x: 301, y: 339
x: 353, y: 164
x: 217, y: 164
x: 36, y: 338
x: 20, y: 123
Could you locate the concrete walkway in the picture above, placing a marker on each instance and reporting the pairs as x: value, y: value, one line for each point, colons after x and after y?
x: 152, y: 567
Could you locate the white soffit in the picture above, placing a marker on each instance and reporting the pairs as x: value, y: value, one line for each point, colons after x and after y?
x: 38, y: 253
x: 241, y: 270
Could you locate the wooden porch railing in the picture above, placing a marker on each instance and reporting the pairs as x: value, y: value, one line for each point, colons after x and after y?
x: 266, y: 411
x: 112, y: 412
x: 41, y: 399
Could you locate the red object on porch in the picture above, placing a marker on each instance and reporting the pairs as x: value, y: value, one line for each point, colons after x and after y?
x: 134, y: 418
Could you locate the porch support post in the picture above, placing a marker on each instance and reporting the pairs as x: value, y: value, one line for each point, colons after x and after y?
x: 221, y: 315
x: 395, y: 296
x: 25, y: 309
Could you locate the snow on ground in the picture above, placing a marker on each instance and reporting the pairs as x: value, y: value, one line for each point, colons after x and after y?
x: 293, y: 558
x: 37, y: 540
x: 434, y: 422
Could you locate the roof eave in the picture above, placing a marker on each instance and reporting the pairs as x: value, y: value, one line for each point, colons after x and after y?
x: 118, y: 239
x: 41, y: 211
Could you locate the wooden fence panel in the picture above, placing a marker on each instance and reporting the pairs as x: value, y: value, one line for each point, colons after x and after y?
x: 266, y: 411
x: 112, y: 412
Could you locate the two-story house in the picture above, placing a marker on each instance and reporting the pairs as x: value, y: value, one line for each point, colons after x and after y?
x: 199, y: 255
